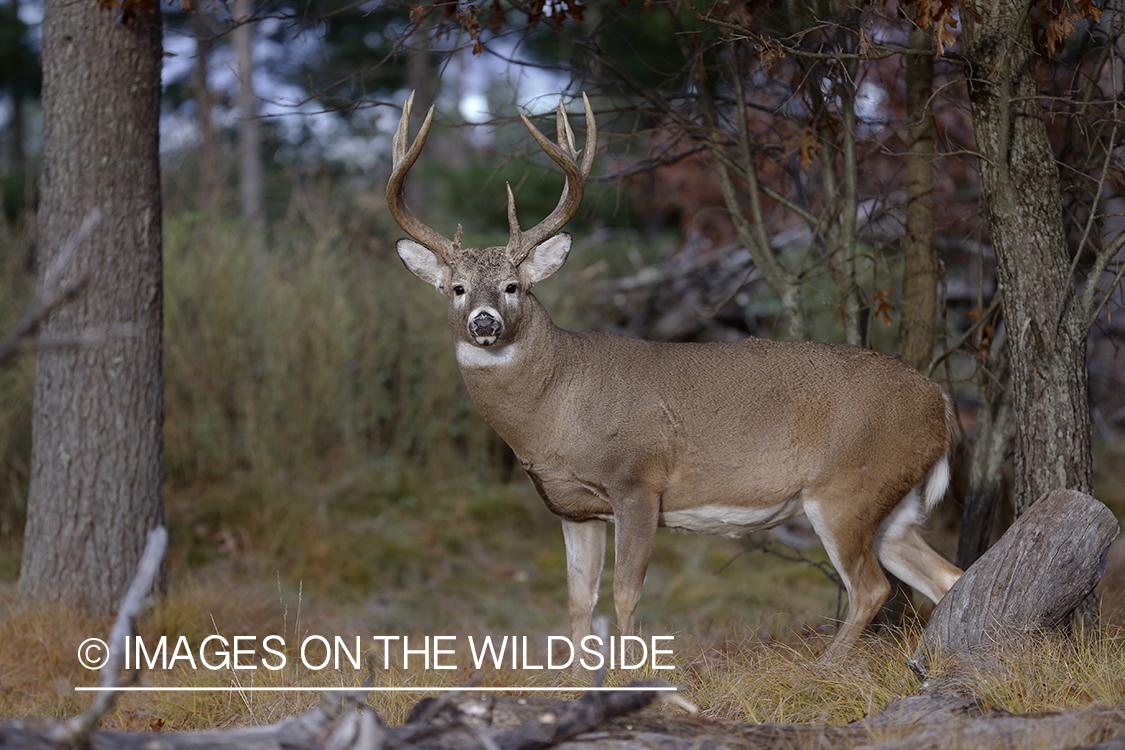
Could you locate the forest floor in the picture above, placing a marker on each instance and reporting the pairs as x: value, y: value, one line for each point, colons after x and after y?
x: 379, y: 555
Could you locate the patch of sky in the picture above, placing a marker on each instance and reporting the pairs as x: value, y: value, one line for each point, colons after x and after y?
x: 475, y: 88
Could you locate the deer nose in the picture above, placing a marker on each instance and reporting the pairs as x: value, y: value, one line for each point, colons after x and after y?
x: 485, y: 326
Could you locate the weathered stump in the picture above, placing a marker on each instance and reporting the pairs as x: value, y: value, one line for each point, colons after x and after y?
x: 1046, y: 564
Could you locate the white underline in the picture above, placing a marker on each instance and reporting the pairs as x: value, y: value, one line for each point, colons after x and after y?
x: 360, y: 689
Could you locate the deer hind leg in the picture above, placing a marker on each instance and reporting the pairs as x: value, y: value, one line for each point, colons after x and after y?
x: 585, y: 558
x: 902, y: 549
x: 850, y: 547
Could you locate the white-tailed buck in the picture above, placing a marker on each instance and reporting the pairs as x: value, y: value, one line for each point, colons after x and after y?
x: 723, y: 438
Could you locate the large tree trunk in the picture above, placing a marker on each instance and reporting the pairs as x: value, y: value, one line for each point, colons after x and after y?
x: 97, y: 444
x: 1021, y: 196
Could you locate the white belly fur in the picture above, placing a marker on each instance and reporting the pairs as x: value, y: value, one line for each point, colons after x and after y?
x: 732, y: 521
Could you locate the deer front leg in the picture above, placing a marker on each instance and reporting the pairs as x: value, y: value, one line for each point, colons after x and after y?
x: 634, y: 537
x: 585, y: 558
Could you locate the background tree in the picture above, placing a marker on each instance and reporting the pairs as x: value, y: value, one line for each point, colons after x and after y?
x: 19, y: 83
x: 916, y: 332
x: 97, y: 452
x: 210, y: 175
x: 250, y: 173
x: 1048, y: 316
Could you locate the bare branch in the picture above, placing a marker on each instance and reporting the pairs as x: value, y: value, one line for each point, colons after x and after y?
x: 53, y: 291
x: 1100, y: 265
x: 1103, y: 258
x: 780, y: 280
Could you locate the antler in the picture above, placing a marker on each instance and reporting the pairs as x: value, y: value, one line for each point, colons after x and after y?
x: 403, y: 160
x: 566, y: 156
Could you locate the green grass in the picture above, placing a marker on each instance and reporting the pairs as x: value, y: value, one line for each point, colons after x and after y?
x: 456, y: 551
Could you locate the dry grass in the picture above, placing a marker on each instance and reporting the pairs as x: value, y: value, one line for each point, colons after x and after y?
x: 749, y: 680
x: 741, y: 678
x: 1052, y: 672
x: 409, y: 556
x: 40, y: 668
x: 789, y: 683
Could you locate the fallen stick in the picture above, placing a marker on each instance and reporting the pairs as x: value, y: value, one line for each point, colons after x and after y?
x: 134, y: 603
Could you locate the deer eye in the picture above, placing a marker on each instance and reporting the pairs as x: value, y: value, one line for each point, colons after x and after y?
x: 511, y: 289
x: 458, y: 290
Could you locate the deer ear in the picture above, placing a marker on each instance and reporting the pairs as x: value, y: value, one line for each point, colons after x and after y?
x: 547, y: 258
x: 422, y: 262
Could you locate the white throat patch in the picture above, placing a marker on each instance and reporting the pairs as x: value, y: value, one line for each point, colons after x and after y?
x: 469, y: 355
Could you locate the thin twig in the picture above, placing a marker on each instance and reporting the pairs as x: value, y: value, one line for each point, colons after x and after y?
x: 431, y: 710
x: 985, y: 317
x: 764, y: 546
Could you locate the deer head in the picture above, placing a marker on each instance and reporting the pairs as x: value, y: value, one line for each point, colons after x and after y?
x: 486, y: 286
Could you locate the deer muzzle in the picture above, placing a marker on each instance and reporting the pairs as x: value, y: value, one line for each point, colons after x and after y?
x: 485, y: 328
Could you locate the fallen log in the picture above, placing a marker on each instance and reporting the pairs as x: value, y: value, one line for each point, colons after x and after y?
x: 348, y: 724
x: 999, y: 729
x: 1029, y: 582
x: 590, y: 723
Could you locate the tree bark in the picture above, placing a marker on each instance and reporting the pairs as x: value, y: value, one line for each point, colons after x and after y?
x: 1021, y: 198
x: 97, y: 443
x: 846, y: 246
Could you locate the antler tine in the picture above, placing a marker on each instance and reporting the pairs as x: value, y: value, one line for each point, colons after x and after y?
x: 398, y: 145
x: 513, y: 223
x: 566, y: 156
x: 563, y: 133
x: 591, y: 139
x: 403, y: 159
